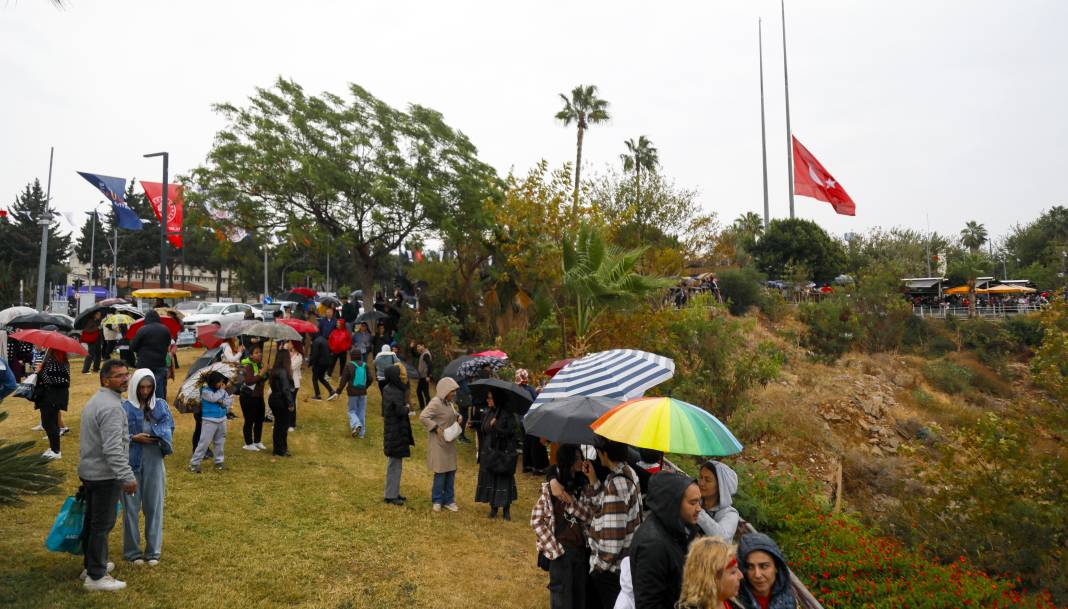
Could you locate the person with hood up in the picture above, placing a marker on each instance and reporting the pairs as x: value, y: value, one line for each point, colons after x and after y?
x: 658, y: 552
x: 151, y: 431
x: 439, y: 415
x: 385, y: 358
x: 498, y: 453
x: 321, y: 361
x: 718, y: 484
x: 151, y: 345
x: 767, y: 578
x: 361, y: 340
x: 397, y: 438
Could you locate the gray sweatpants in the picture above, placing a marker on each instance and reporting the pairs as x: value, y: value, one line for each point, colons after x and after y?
x: 212, y: 431
x: 394, y: 467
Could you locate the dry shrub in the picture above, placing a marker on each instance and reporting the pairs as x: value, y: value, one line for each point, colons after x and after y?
x: 864, y: 473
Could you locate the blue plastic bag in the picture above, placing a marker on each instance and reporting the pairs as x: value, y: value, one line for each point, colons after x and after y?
x: 66, y: 533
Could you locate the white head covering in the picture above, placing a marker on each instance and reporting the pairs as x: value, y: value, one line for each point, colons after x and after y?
x: 135, y: 380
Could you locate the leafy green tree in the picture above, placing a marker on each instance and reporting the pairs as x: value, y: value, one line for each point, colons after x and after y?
x: 1039, y: 249
x: 597, y: 275
x: 354, y: 168
x: 741, y: 288
x: 793, y: 243
x: 973, y: 236
x: 660, y: 217
x: 20, y: 244
x: 584, y: 109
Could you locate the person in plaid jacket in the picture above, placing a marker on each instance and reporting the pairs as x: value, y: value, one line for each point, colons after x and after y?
x: 559, y: 526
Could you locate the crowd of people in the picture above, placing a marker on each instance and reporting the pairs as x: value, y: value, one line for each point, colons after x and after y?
x: 614, y: 527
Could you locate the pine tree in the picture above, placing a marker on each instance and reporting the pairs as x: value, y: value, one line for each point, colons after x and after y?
x: 20, y: 244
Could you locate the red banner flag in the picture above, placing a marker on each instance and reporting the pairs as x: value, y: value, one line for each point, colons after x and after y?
x: 812, y: 180
x: 154, y: 191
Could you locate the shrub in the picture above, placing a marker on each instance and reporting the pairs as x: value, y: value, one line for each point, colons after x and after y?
x: 774, y: 306
x: 846, y: 566
x: 831, y: 328
x: 882, y: 314
x: 947, y: 377
x: 990, y: 341
x: 1026, y: 330
x: 741, y: 289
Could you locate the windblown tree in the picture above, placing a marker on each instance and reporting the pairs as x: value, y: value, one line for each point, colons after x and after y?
x: 973, y: 236
x: 351, y: 167
x: 583, y: 108
x: 640, y: 155
x: 20, y: 244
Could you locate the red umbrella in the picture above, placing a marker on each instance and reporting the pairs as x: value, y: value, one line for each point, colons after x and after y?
x: 50, y: 340
x: 557, y: 366
x: 172, y: 324
x: 310, y: 293
x: 206, y: 336
x: 300, y: 325
x: 491, y: 353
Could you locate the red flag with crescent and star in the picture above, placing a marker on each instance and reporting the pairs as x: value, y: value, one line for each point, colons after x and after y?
x: 812, y: 180
x: 154, y: 191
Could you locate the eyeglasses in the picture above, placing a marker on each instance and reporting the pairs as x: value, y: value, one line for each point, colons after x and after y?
x: 119, y: 375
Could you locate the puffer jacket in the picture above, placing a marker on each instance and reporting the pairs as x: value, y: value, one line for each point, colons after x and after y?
x: 397, y: 438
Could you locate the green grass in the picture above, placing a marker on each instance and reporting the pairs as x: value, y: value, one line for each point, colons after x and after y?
x: 307, y: 531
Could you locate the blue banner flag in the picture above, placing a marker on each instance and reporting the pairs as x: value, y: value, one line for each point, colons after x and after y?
x: 113, y: 188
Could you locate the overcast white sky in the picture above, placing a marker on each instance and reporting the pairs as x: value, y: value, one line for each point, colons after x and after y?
x: 952, y: 109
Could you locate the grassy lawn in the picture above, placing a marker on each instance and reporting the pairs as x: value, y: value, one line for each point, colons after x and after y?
x: 307, y: 531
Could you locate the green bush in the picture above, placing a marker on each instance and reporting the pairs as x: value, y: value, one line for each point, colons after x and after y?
x: 883, y: 316
x: 741, y: 289
x: 991, y: 342
x: 948, y: 377
x: 774, y: 306
x: 926, y: 337
x: 1026, y: 330
x: 831, y: 328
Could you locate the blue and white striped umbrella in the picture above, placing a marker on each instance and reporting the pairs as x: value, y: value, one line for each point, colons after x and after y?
x: 618, y: 373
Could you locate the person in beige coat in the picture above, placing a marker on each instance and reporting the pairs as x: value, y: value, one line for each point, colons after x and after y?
x: 440, y: 414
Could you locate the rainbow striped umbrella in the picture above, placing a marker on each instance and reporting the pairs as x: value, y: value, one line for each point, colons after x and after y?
x: 667, y: 425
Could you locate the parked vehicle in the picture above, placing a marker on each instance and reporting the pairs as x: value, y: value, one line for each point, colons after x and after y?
x: 219, y: 313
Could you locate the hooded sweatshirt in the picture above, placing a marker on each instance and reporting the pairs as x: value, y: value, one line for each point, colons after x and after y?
x: 722, y: 520
x: 157, y: 421
x: 385, y: 358
x: 782, y: 595
x: 151, y: 343
x: 658, y: 552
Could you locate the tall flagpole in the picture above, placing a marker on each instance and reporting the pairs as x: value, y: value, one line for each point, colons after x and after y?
x: 763, y: 131
x: 789, y: 132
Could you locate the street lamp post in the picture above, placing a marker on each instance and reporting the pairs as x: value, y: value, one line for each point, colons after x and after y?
x: 45, y: 221
x: 162, y: 220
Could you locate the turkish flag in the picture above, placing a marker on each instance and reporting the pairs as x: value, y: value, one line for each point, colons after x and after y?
x: 154, y: 191
x: 812, y: 180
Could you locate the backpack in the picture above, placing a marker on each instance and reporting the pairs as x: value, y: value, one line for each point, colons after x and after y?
x: 359, y: 377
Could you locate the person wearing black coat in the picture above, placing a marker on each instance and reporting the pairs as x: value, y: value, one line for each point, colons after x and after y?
x: 51, y: 396
x: 281, y: 402
x: 658, y: 550
x: 151, y: 345
x: 498, y: 452
x: 397, y: 438
x: 321, y: 361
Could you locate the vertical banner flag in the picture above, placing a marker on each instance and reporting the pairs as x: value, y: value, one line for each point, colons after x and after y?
x: 113, y: 189
x: 812, y: 180
x: 154, y: 191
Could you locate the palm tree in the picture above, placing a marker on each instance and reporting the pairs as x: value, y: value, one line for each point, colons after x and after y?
x: 583, y: 108
x: 597, y: 276
x: 639, y: 156
x: 750, y: 223
x: 973, y: 236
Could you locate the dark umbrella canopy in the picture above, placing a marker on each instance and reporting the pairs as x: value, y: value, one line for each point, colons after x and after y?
x: 452, y: 369
x: 104, y: 309
x: 371, y: 315
x: 471, y: 367
x: 40, y: 320
x: 567, y: 420
x: 508, y: 396
x: 210, y: 356
x: 295, y: 297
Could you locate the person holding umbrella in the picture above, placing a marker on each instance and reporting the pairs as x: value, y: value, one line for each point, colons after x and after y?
x: 497, y: 457
x: 94, y: 341
x: 251, y: 398
x: 361, y: 340
x: 51, y: 396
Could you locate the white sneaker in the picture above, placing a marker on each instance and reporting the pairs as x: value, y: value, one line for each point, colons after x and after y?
x: 139, y: 561
x: 110, y: 568
x: 152, y: 562
x: 51, y: 456
x: 251, y: 447
x: 37, y: 427
x: 452, y: 507
x: 261, y: 446
x: 104, y: 584
x: 437, y: 507
x: 332, y: 396
x: 292, y: 429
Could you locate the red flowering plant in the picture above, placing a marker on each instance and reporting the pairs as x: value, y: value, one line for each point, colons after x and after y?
x: 847, y: 566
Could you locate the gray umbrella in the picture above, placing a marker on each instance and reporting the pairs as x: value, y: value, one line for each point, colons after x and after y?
x: 567, y: 420
x: 371, y: 315
x: 12, y: 312
x: 236, y: 328
x: 271, y: 330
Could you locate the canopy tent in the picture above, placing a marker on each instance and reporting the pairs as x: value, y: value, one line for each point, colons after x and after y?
x: 161, y: 293
x: 1007, y: 289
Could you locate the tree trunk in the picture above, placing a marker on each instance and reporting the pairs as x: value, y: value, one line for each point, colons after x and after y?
x: 638, y: 201
x: 218, y: 282
x: 578, y: 171
x: 365, y: 271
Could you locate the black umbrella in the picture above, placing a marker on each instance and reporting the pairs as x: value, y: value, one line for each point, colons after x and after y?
x: 507, y: 396
x: 472, y: 367
x: 40, y: 320
x: 210, y: 356
x: 330, y: 301
x: 567, y: 420
x: 295, y: 297
x: 452, y: 369
x: 105, y: 308
x: 371, y: 315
